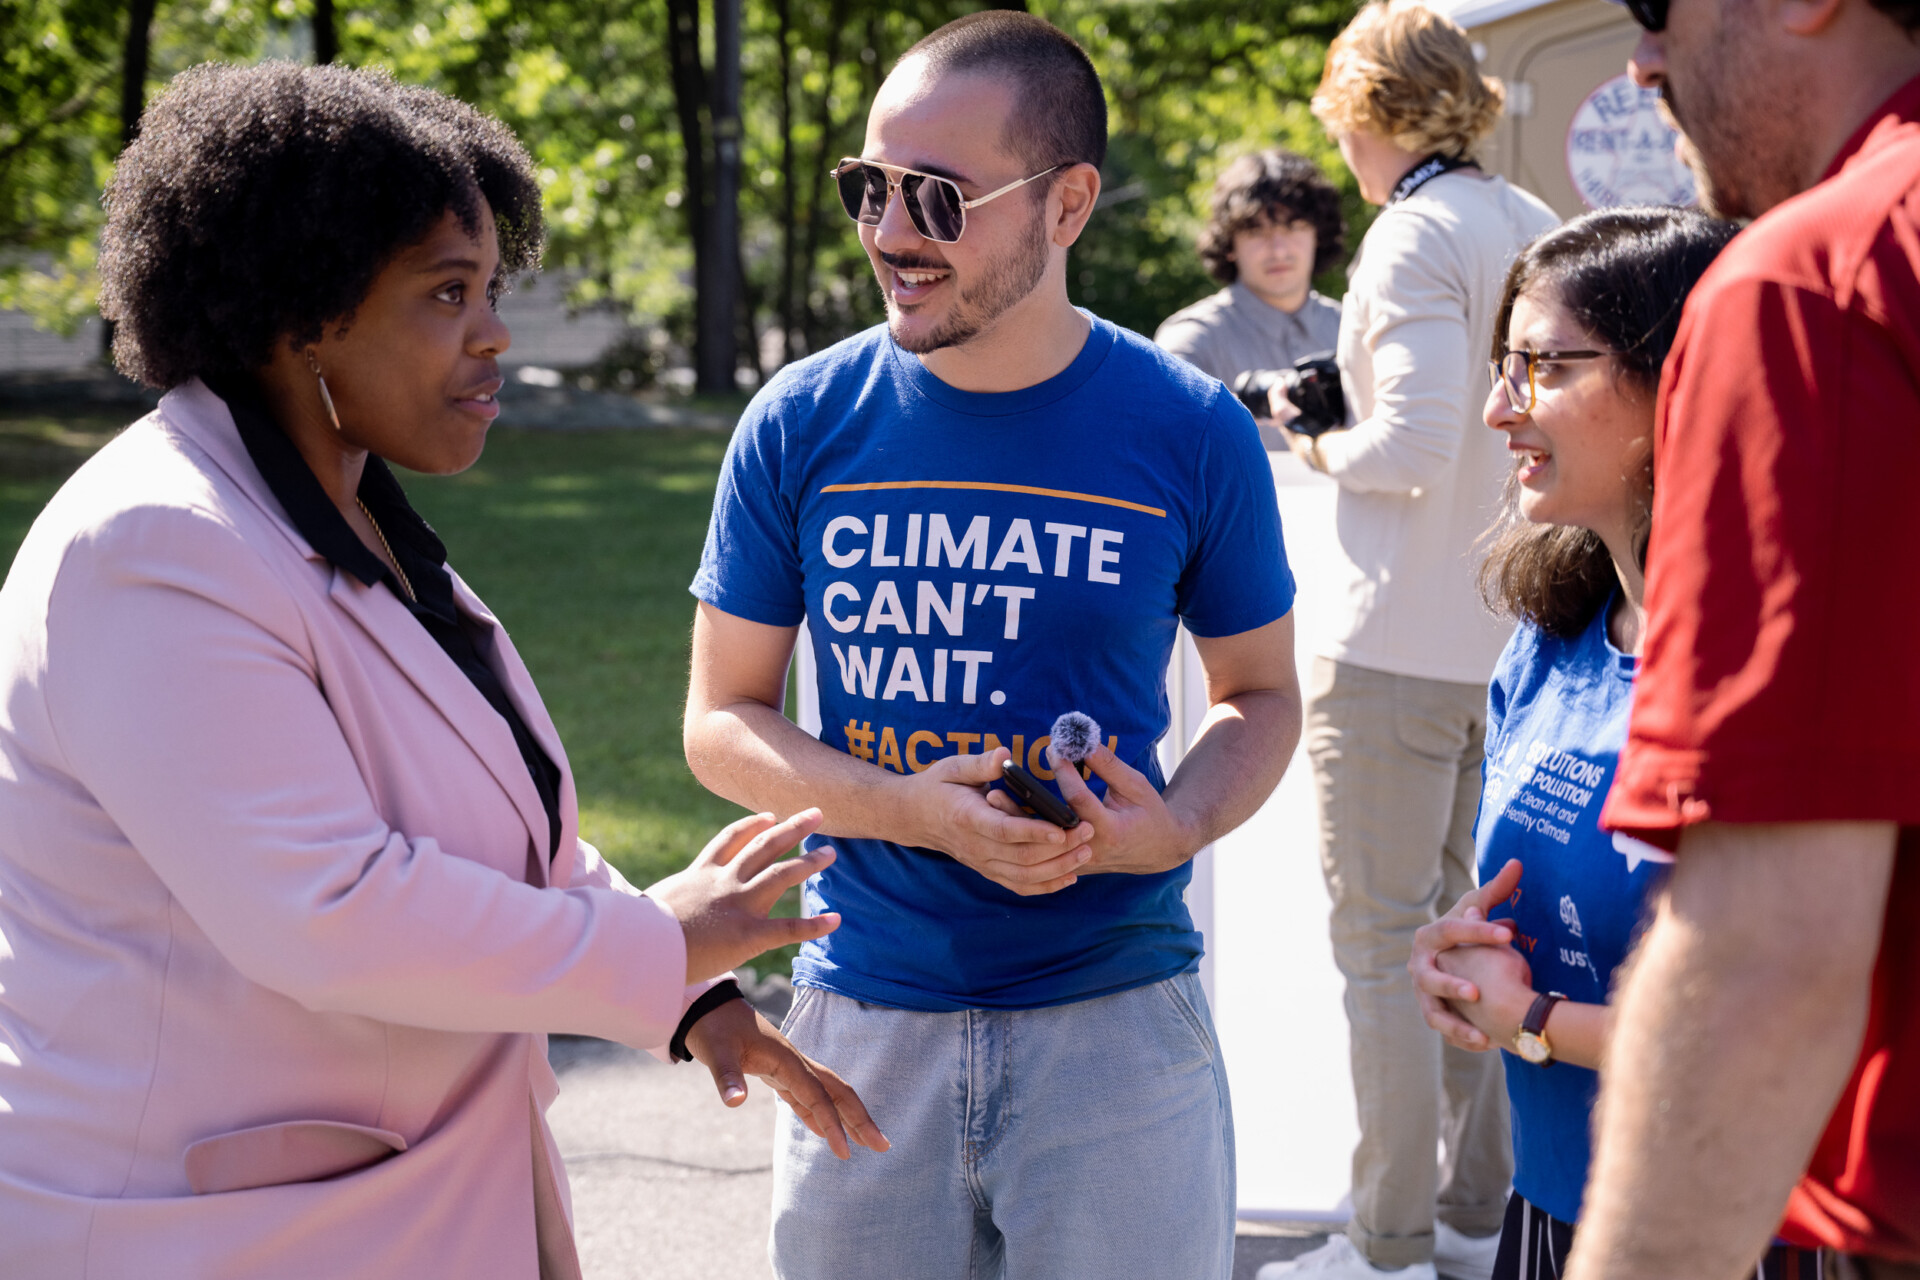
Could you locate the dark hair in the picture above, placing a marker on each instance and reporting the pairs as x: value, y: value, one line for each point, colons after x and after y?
x: 1904, y: 12
x: 1623, y: 275
x: 1271, y: 186
x: 1059, y: 112
x: 259, y: 203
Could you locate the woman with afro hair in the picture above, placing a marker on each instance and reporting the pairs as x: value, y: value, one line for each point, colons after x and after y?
x: 291, y: 887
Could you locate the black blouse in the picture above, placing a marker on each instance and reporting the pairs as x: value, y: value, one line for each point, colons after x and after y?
x: 419, y: 551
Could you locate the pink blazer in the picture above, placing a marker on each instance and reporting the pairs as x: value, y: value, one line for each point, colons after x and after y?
x: 279, y: 941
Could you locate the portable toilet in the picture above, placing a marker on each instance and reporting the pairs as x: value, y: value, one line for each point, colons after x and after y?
x: 1577, y: 131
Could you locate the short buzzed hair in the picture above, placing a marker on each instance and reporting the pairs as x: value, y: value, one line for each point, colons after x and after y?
x: 1059, y: 113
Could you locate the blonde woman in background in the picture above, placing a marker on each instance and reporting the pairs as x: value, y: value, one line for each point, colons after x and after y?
x: 1397, y: 699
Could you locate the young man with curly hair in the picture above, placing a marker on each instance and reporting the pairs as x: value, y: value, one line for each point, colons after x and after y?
x: 1275, y: 225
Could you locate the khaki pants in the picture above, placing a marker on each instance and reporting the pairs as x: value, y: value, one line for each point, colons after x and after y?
x: 1396, y: 763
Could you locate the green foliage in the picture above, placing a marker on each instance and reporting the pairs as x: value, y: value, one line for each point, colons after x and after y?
x: 1191, y: 86
x: 586, y: 84
x: 60, y: 83
x: 58, y: 100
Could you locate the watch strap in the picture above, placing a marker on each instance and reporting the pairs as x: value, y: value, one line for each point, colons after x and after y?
x: 1535, y: 1023
x: 1533, y: 1029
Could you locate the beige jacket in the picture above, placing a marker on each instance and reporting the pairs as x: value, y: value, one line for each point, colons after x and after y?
x: 1419, y: 472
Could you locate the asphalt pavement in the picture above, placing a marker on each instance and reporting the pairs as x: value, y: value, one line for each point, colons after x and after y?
x: 668, y: 1184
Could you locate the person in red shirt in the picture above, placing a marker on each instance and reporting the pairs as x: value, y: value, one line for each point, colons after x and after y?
x: 1775, y: 735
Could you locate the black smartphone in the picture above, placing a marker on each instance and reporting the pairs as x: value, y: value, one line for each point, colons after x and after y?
x: 1030, y: 792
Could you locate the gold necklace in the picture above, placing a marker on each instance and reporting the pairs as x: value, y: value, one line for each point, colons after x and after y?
x: 388, y: 548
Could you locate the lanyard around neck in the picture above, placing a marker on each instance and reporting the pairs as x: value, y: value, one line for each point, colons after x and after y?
x: 1424, y: 172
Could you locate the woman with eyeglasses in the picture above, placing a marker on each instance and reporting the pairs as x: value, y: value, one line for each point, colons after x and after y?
x: 1525, y: 963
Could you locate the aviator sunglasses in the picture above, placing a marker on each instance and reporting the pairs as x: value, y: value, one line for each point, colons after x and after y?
x: 1650, y: 14
x: 934, y: 204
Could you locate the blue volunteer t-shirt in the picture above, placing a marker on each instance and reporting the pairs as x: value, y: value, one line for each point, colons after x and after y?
x: 1556, y: 720
x: 970, y: 566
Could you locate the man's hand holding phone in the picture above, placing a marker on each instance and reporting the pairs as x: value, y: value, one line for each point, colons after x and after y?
x: 1133, y: 829
x: 948, y: 807
x: 1032, y: 794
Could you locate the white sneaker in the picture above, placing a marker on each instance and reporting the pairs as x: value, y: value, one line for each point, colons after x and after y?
x: 1339, y: 1259
x: 1458, y: 1256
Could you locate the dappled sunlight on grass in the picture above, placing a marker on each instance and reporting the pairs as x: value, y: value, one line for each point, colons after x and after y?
x: 562, y: 484
x: 560, y: 510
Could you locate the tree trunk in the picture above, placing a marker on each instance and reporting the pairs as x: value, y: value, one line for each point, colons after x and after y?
x: 789, y: 198
x: 749, y: 334
x: 718, y: 272
x: 133, y: 68
x: 135, y: 57
x: 689, y: 100
x: 823, y: 160
x: 326, y: 41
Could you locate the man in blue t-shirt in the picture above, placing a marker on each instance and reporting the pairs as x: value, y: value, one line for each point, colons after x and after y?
x: 990, y: 511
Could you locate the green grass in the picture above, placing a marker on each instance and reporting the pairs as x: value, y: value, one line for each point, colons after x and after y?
x: 38, y: 451
x: 583, y: 544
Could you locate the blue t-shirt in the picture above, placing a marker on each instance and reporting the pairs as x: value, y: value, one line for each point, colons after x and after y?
x: 971, y: 565
x: 1556, y: 720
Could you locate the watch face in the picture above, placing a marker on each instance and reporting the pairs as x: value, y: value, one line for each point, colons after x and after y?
x: 1531, y: 1047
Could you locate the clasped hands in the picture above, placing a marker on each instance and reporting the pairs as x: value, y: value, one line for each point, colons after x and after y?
x: 1473, y: 985
x: 950, y: 807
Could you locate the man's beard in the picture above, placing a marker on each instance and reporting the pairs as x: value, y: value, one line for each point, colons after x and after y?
x: 1003, y: 285
x: 1740, y: 119
x: 1705, y: 194
x: 1717, y: 188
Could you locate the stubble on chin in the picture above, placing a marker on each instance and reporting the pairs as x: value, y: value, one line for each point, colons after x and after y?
x: 1741, y: 116
x: 1002, y: 286
x: 958, y: 328
x: 1706, y: 195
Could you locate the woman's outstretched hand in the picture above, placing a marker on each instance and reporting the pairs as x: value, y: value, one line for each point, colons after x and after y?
x: 735, y: 1042
x: 723, y: 898
x: 1465, y: 925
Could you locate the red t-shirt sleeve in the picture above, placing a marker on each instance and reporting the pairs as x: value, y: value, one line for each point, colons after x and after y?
x: 1781, y: 673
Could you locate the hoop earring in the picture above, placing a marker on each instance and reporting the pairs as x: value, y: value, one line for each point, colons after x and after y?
x: 326, y: 399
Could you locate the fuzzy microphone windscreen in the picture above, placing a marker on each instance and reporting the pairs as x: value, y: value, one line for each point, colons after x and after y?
x: 1076, y: 735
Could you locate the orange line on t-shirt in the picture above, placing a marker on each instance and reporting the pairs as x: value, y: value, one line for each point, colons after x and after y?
x: 996, y: 488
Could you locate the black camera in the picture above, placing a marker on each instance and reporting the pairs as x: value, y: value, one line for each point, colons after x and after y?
x: 1312, y: 385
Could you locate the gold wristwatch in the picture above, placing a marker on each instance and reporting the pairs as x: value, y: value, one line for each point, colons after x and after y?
x: 1530, y: 1041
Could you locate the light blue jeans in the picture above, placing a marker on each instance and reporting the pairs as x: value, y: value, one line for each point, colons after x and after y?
x: 1089, y: 1141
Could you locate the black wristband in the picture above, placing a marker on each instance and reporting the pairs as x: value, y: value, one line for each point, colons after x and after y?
x: 709, y: 1000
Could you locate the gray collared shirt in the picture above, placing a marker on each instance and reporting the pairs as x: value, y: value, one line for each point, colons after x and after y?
x: 1232, y: 331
